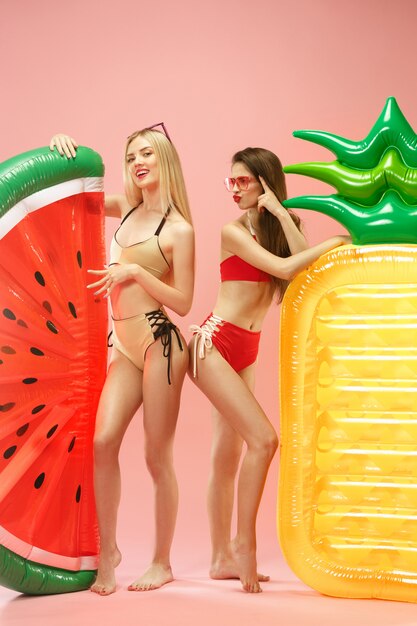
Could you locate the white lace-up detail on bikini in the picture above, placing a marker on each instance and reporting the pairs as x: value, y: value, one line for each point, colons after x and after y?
x: 203, y: 339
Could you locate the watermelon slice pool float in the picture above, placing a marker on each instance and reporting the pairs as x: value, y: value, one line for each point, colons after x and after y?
x: 52, y: 368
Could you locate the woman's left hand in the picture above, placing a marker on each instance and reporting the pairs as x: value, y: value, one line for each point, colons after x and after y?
x: 269, y: 201
x: 112, y: 276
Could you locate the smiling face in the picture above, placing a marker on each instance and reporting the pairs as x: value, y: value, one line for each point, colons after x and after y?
x: 142, y: 163
x: 246, y: 199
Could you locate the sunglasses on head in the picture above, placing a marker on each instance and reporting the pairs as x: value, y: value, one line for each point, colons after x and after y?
x: 241, y: 182
x: 162, y: 125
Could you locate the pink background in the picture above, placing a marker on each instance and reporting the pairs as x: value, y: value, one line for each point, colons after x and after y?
x: 222, y: 75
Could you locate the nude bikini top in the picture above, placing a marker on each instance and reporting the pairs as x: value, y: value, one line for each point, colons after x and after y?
x: 235, y: 268
x: 148, y: 253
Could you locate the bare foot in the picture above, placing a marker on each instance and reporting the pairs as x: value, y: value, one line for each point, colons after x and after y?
x: 105, y: 583
x: 227, y: 569
x: 245, y: 559
x: 154, y: 577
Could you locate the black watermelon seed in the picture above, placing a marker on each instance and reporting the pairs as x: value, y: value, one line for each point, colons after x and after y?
x: 72, y: 309
x: 7, y: 406
x: 1, y: 362
x: 38, y: 482
x: 70, y: 447
x: 78, y: 494
x: 8, y: 350
x: 37, y: 352
x: 46, y: 305
x: 9, y: 452
x: 79, y: 258
x: 40, y: 278
x: 29, y: 381
x: 9, y: 314
x: 51, y: 327
x: 38, y: 408
x: 21, y: 431
x: 22, y: 323
x: 51, y: 431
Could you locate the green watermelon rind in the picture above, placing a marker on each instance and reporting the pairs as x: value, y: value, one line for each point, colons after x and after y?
x: 32, y: 578
x: 17, y: 180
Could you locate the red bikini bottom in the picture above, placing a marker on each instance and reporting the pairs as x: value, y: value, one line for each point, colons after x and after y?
x: 238, y: 346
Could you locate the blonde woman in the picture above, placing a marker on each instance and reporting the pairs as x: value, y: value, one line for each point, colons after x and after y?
x: 151, y: 267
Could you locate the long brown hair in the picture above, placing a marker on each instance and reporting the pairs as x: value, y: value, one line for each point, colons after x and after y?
x: 173, y: 191
x: 262, y: 162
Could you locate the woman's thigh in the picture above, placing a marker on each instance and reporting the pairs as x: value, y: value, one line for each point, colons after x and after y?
x: 120, y: 398
x: 231, y: 396
x: 161, y: 400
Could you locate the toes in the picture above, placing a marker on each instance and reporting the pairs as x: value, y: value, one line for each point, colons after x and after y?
x: 252, y: 587
x: 141, y: 587
x: 262, y: 578
x: 100, y: 590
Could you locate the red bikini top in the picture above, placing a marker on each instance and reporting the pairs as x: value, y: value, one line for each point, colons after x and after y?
x: 235, y: 268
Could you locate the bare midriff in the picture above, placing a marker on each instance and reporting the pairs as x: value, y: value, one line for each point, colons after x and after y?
x: 130, y: 299
x: 244, y: 303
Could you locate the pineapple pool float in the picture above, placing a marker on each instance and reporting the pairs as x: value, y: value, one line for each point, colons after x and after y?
x: 52, y: 368
x: 348, y: 482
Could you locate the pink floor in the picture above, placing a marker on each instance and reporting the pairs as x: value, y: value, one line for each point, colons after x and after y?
x: 194, y: 599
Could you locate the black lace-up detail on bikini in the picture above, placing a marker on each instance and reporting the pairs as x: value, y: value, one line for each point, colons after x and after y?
x: 162, y: 327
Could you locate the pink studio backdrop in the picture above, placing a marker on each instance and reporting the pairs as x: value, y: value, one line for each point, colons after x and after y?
x: 222, y: 75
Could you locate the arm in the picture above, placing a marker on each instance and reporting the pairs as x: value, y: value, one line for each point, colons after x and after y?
x: 114, y: 205
x: 237, y: 240
x: 268, y: 200
x: 296, y: 240
x: 178, y: 295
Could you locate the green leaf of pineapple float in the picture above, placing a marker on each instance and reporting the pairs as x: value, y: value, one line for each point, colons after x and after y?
x: 376, y: 180
x: 348, y: 364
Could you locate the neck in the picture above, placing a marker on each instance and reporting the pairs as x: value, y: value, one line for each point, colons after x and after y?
x: 151, y: 198
x: 253, y: 217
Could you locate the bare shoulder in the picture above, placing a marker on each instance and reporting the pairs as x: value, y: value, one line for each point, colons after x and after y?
x: 233, y: 231
x: 179, y: 227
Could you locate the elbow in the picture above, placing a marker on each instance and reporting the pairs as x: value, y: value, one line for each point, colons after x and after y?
x: 287, y: 272
x: 183, y: 308
x: 182, y: 311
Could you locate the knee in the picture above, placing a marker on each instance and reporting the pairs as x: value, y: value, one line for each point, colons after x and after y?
x: 158, y: 464
x: 267, y: 445
x: 105, y: 447
x: 270, y: 444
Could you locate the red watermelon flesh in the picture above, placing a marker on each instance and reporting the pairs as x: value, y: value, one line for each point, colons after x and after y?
x: 52, y: 366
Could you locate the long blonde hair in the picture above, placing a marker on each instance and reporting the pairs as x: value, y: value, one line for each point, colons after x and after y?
x: 172, y: 185
x: 262, y: 162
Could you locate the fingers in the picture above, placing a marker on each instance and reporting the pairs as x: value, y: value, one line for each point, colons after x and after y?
x: 102, y: 281
x: 105, y: 284
x: 98, y: 272
x: 261, y: 200
x: 65, y: 145
x: 263, y: 183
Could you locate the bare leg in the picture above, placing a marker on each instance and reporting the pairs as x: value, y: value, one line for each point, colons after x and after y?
x: 233, y: 399
x: 120, y: 398
x: 160, y: 410
x: 225, y: 455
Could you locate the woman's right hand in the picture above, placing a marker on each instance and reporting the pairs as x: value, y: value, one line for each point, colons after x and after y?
x: 65, y: 145
x: 342, y: 240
